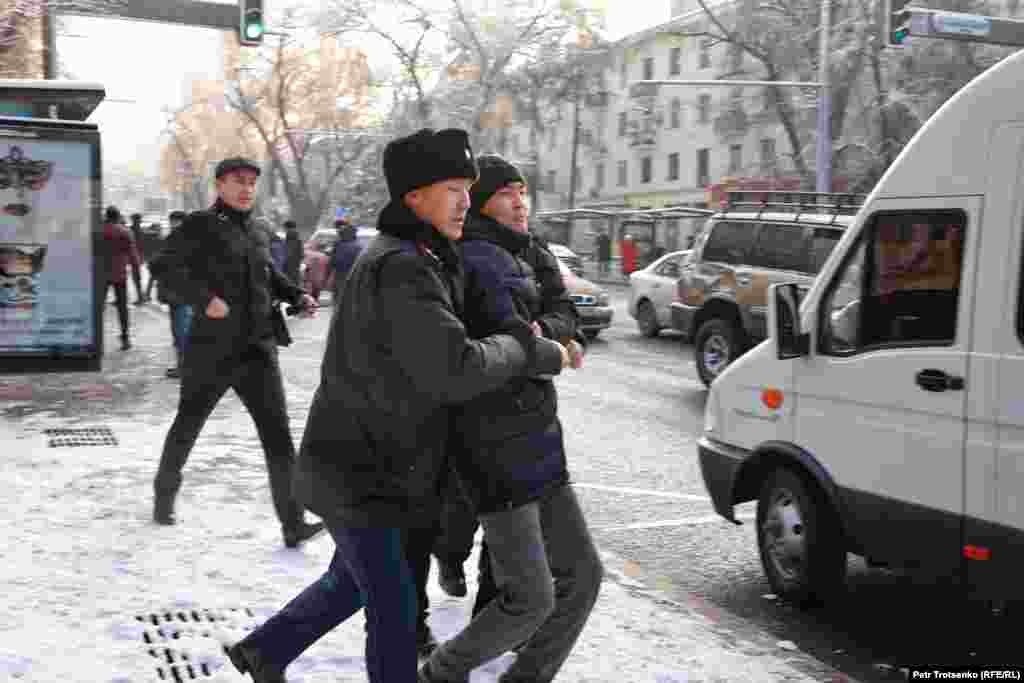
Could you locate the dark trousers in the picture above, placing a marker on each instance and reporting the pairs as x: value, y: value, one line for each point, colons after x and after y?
x: 548, y: 574
x: 458, y: 524
x: 137, y: 278
x: 417, y: 543
x: 181, y: 325
x: 368, y: 571
x: 121, y: 297
x: 256, y: 378
x: 149, y: 285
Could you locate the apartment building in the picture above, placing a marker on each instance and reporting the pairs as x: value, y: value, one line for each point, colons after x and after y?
x: 683, y: 145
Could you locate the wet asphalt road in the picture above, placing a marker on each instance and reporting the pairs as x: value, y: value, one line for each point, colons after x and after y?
x: 631, y: 419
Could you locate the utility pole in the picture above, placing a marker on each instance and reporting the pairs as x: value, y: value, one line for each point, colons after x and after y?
x: 823, y: 156
x: 573, y: 180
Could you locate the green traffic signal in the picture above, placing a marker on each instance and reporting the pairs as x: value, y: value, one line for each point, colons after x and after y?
x: 900, y: 34
x: 253, y: 30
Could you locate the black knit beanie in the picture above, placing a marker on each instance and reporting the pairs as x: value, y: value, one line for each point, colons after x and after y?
x: 495, y: 173
x: 427, y: 157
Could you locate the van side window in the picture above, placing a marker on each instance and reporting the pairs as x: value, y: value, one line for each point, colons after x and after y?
x: 908, y: 288
x: 728, y: 242
x: 782, y: 247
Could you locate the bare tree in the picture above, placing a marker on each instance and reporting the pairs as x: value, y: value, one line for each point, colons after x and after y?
x: 309, y: 112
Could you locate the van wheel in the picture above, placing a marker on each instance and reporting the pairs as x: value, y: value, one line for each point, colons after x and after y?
x: 647, y: 319
x: 800, y: 540
x: 718, y: 343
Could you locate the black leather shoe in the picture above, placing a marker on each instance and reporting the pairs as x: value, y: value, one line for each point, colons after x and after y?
x: 247, y: 662
x: 125, y: 343
x: 163, y: 511
x: 298, y: 535
x: 453, y: 580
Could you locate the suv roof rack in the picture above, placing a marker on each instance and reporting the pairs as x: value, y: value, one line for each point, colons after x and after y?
x: 818, y: 203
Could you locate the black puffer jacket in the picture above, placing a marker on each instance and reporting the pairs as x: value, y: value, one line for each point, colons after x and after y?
x: 398, y: 359
x: 220, y: 253
x: 510, y: 449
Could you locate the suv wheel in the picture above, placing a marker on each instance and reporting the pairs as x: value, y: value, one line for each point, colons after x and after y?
x: 799, y: 539
x: 718, y: 343
x: 647, y: 319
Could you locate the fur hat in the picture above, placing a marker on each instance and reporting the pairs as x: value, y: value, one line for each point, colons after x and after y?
x: 233, y: 164
x: 495, y: 173
x: 426, y: 157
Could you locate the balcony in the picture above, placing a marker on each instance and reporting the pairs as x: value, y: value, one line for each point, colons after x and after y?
x: 731, y: 123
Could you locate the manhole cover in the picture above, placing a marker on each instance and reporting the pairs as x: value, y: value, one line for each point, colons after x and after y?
x: 83, y: 436
x: 164, y: 628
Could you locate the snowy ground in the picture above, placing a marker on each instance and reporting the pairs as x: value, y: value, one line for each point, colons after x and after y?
x: 87, y: 577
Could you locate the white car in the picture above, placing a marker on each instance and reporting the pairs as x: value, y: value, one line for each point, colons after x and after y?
x: 651, y: 291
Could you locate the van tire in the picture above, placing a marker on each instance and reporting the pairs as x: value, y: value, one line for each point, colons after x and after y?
x: 647, y: 319
x: 716, y: 337
x: 800, y: 540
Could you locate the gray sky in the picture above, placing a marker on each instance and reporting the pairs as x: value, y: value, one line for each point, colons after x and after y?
x: 150, y: 65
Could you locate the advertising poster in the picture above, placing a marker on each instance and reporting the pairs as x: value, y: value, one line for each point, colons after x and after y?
x: 46, y: 259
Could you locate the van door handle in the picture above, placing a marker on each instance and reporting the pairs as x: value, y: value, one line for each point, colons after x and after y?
x: 939, y: 380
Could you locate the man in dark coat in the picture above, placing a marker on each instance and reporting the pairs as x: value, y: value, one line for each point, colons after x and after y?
x: 179, y: 311
x: 343, y: 257
x: 604, y: 253
x: 292, y: 251
x: 139, y: 238
x: 219, y: 263
x: 509, y: 456
x: 121, y: 252
x: 397, y: 359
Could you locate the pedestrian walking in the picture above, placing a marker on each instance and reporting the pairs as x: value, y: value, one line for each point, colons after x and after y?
x: 220, y: 265
x: 278, y: 251
x: 509, y: 455
x: 397, y: 359
x: 179, y: 310
x: 628, y: 250
x: 120, y: 253
x: 137, y: 236
x: 604, y: 253
x: 151, y: 243
x: 292, y: 251
x: 343, y: 256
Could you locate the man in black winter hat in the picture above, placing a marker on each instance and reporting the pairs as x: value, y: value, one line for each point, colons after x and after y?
x: 398, y: 358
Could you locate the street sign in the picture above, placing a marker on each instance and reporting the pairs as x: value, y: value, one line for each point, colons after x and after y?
x: 962, y: 24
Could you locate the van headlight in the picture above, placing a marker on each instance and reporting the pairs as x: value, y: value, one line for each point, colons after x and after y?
x: 712, y: 415
x: 602, y: 299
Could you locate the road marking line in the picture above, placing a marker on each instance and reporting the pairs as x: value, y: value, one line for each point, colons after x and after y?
x: 643, y: 492
x: 691, y: 521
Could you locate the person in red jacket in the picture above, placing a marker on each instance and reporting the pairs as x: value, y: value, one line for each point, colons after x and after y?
x: 628, y: 250
x: 120, y: 253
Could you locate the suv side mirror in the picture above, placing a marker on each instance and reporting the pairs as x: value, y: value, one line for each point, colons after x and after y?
x: 784, y: 321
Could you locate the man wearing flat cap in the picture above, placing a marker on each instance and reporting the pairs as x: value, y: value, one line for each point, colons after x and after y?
x: 398, y: 358
x: 219, y: 263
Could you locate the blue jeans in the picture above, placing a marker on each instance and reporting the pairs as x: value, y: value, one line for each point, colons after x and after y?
x: 181, y: 325
x: 368, y: 571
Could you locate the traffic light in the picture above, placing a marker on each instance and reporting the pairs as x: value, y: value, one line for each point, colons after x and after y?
x: 251, y: 28
x: 897, y: 26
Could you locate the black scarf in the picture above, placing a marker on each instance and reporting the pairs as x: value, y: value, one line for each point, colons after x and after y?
x: 480, y: 227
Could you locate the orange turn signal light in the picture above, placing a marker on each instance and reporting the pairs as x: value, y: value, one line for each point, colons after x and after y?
x: 772, y: 398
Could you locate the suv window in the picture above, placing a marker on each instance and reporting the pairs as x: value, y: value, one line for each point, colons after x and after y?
x: 823, y: 241
x: 728, y: 242
x: 781, y: 246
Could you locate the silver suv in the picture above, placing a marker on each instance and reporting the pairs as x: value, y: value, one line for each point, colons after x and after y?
x: 758, y: 240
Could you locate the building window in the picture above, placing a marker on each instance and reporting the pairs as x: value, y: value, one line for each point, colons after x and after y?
x: 648, y: 68
x: 675, y: 61
x: 703, y: 170
x: 675, y: 113
x: 552, y: 181
x: 578, y: 179
x: 552, y: 139
x: 646, y: 169
x: 673, y: 166
x: 705, y: 54
x: 623, y: 175
x: 622, y: 124
x: 768, y: 159
x: 704, y: 108
x: 623, y: 73
x: 735, y: 158
x: 599, y: 176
